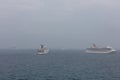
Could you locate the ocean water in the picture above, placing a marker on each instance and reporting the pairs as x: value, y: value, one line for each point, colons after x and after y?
x: 58, y: 65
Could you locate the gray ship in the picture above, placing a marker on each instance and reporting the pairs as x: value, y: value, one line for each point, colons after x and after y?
x: 95, y: 49
x: 43, y: 50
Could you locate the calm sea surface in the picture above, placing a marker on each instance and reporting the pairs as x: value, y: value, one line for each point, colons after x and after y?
x: 58, y: 65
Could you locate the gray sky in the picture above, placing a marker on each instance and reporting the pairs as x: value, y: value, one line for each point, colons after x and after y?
x: 59, y: 23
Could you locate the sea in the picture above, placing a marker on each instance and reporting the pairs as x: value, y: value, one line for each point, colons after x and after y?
x: 58, y: 65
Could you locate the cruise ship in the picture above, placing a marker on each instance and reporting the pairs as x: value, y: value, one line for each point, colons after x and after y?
x: 43, y: 50
x: 95, y: 49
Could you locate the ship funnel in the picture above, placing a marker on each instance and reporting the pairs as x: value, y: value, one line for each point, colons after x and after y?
x: 42, y: 46
x: 94, y: 46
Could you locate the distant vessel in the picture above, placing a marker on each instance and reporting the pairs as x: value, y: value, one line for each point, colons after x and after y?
x: 43, y: 50
x: 95, y: 49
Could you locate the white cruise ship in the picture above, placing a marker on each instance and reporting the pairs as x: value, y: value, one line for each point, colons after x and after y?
x: 43, y: 50
x: 95, y: 49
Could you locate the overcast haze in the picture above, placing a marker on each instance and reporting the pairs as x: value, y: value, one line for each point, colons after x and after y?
x: 59, y: 23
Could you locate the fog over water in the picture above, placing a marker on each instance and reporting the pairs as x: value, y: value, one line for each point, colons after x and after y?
x: 71, y: 24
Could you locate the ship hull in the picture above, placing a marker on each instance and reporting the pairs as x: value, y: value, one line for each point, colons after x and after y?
x: 112, y: 51
x: 41, y: 53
